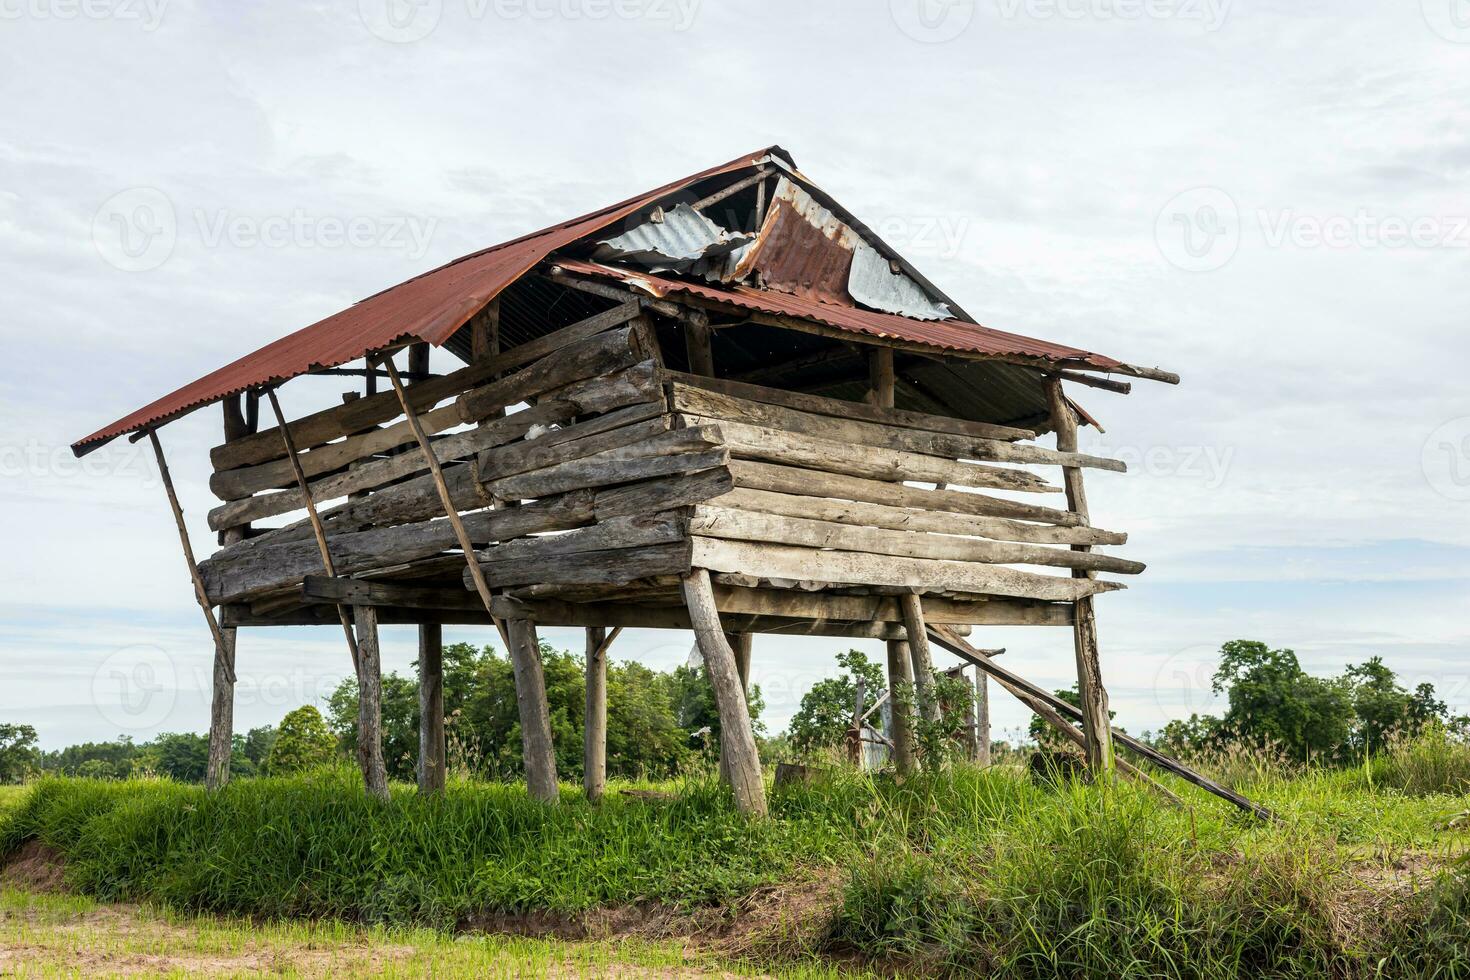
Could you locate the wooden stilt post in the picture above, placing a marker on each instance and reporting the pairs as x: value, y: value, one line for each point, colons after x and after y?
x: 698, y: 344
x: 982, y: 718
x: 918, y: 642
x: 437, y: 472
x: 222, y: 702
x: 316, y: 522
x: 855, y: 732
x: 537, y: 750
x: 222, y: 713
x: 370, y: 703
x: 594, y: 716
x: 737, y: 741
x: 900, y: 687
x: 740, y: 644
x: 1094, y: 697
x: 880, y: 377
x: 972, y: 731
x: 433, y: 767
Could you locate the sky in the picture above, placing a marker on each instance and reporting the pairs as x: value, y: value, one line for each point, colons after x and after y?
x: 1267, y: 196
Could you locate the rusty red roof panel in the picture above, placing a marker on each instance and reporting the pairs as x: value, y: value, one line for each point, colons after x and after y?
x: 428, y: 307
x: 951, y: 335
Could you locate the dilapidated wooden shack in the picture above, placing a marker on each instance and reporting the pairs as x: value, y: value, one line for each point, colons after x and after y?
x: 724, y: 405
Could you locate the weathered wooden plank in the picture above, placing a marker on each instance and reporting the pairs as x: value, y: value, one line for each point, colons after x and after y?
x: 797, y: 604
x: 252, y: 572
x: 717, y: 521
x: 594, y: 715
x: 369, y: 592
x: 643, y: 382
x: 597, y: 356
x: 924, y: 574
x: 853, y: 410
x: 342, y: 420
x: 377, y: 472
x: 679, y: 451
x: 597, y: 435
x: 794, y: 449
x: 537, y: 750
x: 617, y: 532
x: 714, y: 405
x: 592, y: 567
x: 432, y: 768
x: 813, y: 483
x: 912, y: 518
x: 238, y: 483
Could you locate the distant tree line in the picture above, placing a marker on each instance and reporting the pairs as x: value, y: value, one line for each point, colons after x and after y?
x: 1274, y: 702
x: 660, y: 723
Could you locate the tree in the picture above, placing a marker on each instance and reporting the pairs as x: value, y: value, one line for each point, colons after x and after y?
x: 302, y: 741
x: 1273, y: 700
x: 825, y: 713
x: 18, y: 754
x: 1380, y: 706
x: 694, y: 706
x: 257, y: 745
x: 181, y: 756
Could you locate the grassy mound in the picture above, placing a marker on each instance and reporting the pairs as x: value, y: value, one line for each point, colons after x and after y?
x: 964, y: 872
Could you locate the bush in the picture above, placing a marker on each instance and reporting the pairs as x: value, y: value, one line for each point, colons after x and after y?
x: 1432, y: 762
x: 301, y: 742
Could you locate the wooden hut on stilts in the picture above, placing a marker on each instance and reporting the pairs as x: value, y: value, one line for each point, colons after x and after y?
x: 725, y: 406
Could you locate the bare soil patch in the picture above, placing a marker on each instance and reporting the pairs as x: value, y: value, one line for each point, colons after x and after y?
x: 35, y: 867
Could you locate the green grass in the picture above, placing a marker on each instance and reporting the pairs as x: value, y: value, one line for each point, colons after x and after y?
x: 962, y: 872
x: 47, y: 935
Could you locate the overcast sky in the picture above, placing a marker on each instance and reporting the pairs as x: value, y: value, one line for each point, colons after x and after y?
x: 1269, y: 198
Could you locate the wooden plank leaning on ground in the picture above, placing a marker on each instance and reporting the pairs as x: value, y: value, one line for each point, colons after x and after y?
x: 342, y: 420
x: 249, y: 573
x: 795, y: 449
x: 719, y: 521
x: 716, y: 406
x: 592, y: 358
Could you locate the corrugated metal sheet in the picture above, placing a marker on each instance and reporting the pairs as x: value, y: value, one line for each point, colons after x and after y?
x: 428, y: 307
x: 942, y: 335
x: 803, y: 248
x: 873, y: 283
x: 673, y: 239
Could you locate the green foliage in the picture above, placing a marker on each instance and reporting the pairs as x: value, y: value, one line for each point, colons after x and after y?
x: 651, y: 715
x: 302, y: 742
x: 256, y: 745
x: 825, y: 713
x: 18, y: 754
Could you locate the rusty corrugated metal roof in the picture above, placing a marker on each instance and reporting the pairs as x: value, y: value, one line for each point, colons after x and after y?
x: 942, y: 335
x: 428, y: 307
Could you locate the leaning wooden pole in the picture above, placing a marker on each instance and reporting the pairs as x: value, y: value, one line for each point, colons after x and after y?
x: 317, y: 528
x: 537, y: 750
x: 450, y: 511
x: 912, y: 609
x: 1094, y: 697
x: 1030, y: 694
x: 222, y: 701
x: 737, y: 740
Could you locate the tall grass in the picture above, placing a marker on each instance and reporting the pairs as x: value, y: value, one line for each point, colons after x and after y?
x: 958, y: 872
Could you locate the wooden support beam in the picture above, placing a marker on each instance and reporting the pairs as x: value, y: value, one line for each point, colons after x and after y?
x: 982, y: 718
x: 433, y: 766
x: 740, y: 645
x: 698, y: 344
x: 880, y: 377
x: 972, y: 730
x: 734, y: 188
x: 445, y: 498
x: 918, y: 643
x: 900, y: 691
x: 222, y: 713
x: 370, y: 703
x: 316, y: 521
x: 1038, y: 698
x: 737, y: 741
x: 594, y: 718
x: 1094, y: 697
x: 537, y: 749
